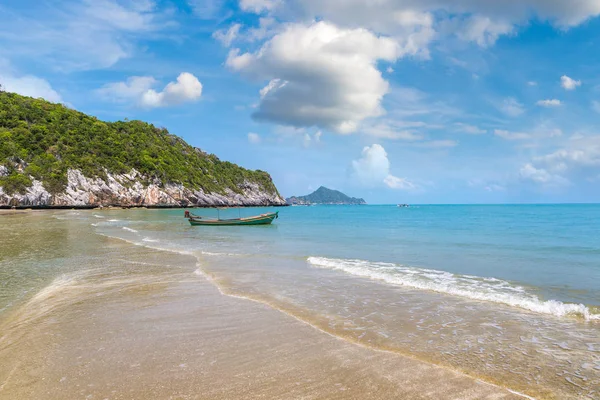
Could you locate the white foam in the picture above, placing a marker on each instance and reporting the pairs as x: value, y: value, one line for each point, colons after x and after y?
x: 113, y: 220
x: 476, y: 288
x: 208, y: 253
x: 98, y: 216
x: 150, y: 240
x: 130, y: 230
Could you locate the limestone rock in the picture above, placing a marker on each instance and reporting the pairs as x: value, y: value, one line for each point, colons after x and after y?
x: 132, y: 189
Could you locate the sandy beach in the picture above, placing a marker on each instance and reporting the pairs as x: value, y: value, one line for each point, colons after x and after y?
x: 126, y: 327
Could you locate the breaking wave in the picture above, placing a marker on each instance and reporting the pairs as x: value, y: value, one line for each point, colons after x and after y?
x: 467, y: 286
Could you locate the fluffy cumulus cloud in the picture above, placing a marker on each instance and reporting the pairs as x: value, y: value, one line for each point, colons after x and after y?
x: 579, y: 159
x: 549, y: 103
x: 80, y: 35
x: 325, y: 73
x: 569, y: 83
x: 373, y: 169
x: 319, y: 75
x: 479, y: 21
x: 139, y: 90
x: 29, y: 85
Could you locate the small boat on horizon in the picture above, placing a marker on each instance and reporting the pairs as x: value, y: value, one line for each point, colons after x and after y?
x: 403, y: 205
x: 262, y: 219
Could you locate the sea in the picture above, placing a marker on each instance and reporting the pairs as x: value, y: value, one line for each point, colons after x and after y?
x: 509, y: 294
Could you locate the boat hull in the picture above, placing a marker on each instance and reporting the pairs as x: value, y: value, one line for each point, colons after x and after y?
x: 265, y: 219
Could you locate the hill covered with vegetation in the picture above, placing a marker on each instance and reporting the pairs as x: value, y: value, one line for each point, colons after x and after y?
x: 42, y: 141
x: 324, y: 196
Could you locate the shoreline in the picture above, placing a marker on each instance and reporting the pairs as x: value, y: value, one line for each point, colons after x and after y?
x: 127, y: 207
x: 154, y: 328
x: 288, y: 314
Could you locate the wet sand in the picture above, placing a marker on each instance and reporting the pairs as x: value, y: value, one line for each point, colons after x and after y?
x: 122, y: 326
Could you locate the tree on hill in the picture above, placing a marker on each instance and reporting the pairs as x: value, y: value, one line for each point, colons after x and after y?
x: 43, y: 140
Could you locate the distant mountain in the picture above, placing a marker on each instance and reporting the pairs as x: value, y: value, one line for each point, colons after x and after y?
x: 324, y: 196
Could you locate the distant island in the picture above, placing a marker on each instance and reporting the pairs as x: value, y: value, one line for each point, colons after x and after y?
x: 54, y: 157
x: 324, y: 196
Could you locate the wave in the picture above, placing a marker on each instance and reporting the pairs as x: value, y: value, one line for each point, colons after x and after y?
x: 150, y: 240
x: 130, y: 230
x: 467, y: 286
x: 209, y: 253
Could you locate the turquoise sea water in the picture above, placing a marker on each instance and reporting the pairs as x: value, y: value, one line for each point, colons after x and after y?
x: 509, y: 294
x: 551, y: 252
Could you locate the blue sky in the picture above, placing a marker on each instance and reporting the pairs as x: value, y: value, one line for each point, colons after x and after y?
x: 430, y: 101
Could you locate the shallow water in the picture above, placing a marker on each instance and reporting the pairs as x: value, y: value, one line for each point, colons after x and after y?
x: 508, y: 294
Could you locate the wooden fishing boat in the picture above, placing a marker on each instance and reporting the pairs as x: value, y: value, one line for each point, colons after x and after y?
x: 262, y: 219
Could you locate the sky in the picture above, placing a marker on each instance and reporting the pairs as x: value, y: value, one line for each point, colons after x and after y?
x: 395, y: 101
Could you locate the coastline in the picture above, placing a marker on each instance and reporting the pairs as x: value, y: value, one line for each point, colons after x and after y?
x: 156, y: 327
x: 126, y: 207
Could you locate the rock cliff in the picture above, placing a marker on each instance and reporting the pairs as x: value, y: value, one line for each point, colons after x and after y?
x: 127, y: 190
x: 53, y: 156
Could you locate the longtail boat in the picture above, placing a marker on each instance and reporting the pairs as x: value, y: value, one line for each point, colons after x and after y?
x: 262, y: 219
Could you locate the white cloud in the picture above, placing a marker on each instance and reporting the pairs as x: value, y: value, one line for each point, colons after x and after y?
x: 480, y: 21
x: 258, y: 6
x: 470, y: 129
x: 29, y: 85
x: 307, y: 140
x: 596, y: 106
x: 319, y: 75
x: 512, y: 135
x: 317, y: 136
x: 511, y: 107
x: 206, y: 9
x: 539, y: 175
x: 82, y: 35
x: 373, y: 169
x: 439, y: 144
x: 226, y: 37
x: 132, y: 89
x: 267, y: 27
x: 389, y: 70
x: 493, y: 187
x: 393, y: 182
x: 483, y: 30
x: 254, y: 138
x: 138, y: 89
x: 549, y: 103
x: 579, y: 159
x: 532, y: 83
x: 569, y: 83
x: 389, y: 129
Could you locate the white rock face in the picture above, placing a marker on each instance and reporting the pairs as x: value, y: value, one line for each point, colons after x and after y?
x: 128, y: 190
